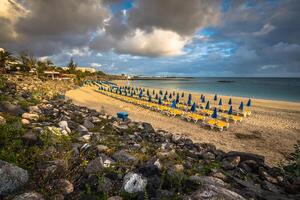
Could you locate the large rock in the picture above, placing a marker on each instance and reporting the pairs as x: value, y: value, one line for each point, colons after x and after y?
x: 64, y: 126
x: 133, y: 183
x: 34, y: 109
x: 98, y: 164
x: 82, y: 130
x: 29, y: 196
x: 30, y: 116
x: 11, y: 177
x: 124, y: 157
x: 246, y: 156
x: 10, y: 108
x: 148, y: 128
x: 88, y: 124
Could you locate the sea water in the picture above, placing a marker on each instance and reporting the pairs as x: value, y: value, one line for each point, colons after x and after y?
x: 286, y: 89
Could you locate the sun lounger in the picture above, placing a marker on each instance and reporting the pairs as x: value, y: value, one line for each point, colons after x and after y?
x: 216, y: 123
x: 194, y: 117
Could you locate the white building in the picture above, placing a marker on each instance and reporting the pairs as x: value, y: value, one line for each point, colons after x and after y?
x: 82, y: 69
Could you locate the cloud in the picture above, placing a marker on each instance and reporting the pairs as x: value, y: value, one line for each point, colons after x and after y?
x: 267, y: 28
x: 96, y: 65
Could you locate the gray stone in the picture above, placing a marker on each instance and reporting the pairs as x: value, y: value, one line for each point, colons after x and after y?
x: 124, y: 157
x: 148, y: 128
x: 133, y: 183
x: 88, y: 124
x: 34, y: 109
x: 10, y: 108
x: 82, y: 129
x: 30, y: 138
x: 101, y: 148
x: 64, y: 126
x: 63, y: 186
x: 98, y: 164
x: 209, y: 156
x: 207, y: 180
x: 105, y: 185
x: 246, y: 156
x: 29, y: 196
x: 115, y: 198
x: 11, y: 177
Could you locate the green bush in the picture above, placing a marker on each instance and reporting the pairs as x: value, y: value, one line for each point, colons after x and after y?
x: 293, y: 167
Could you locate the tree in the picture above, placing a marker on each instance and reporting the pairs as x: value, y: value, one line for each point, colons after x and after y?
x: 28, y: 61
x: 5, y: 58
x: 72, y: 66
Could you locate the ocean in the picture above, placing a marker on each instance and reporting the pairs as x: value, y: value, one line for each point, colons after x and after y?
x: 285, y: 89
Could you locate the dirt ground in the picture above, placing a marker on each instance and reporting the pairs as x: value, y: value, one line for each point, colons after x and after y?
x: 271, y: 130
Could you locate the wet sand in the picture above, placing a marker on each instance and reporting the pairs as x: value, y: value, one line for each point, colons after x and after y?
x: 271, y: 130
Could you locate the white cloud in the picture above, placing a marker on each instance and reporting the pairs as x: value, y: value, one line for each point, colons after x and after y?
x: 96, y: 65
x: 267, y: 28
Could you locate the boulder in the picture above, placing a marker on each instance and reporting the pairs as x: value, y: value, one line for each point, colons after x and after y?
x: 124, y: 157
x: 25, y: 121
x: 30, y: 116
x: 134, y: 183
x: 82, y: 129
x: 101, y: 148
x: 88, y: 124
x: 98, y: 164
x: 149, y: 170
x: 64, y: 126
x: 11, y: 177
x: 148, y: 128
x: 2, y: 120
x: 34, y: 109
x: 10, y: 108
x: 246, y: 156
x: 29, y: 196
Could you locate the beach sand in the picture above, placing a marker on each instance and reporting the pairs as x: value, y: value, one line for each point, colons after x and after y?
x: 271, y: 130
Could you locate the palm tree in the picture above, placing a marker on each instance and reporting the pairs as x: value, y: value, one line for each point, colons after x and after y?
x: 5, y: 57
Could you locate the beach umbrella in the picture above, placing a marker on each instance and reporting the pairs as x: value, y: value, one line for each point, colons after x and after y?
x: 134, y: 92
x: 159, y: 101
x: 174, y: 104
x: 143, y: 89
x: 215, y: 114
x: 216, y: 97
x: 149, y: 98
x: 166, y: 93
x: 220, y: 102
x: 193, y: 108
x: 160, y: 92
x: 203, y: 99
x: 141, y: 94
x: 182, y: 95
x: 249, y: 103
x: 156, y: 96
x: 230, y: 111
x: 207, y: 105
x: 153, y: 92
x: 148, y: 93
x: 131, y: 94
x: 170, y: 96
x: 189, y: 102
x: 177, y: 98
x: 125, y: 93
x: 230, y: 102
x: 173, y: 93
x: 165, y: 97
x: 241, y: 106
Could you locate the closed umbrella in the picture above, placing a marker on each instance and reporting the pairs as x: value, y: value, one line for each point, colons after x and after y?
x: 207, y: 107
x: 153, y: 92
x: 203, y: 99
x: 215, y: 114
x: 241, y: 106
x: 230, y: 102
x: 173, y: 93
x: 159, y: 101
x: 141, y: 94
x: 249, y: 103
x: 160, y: 92
x: 148, y: 93
x: 230, y: 111
x: 170, y: 96
x: 189, y: 102
x: 166, y: 93
x: 174, y: 104
x: 156, y: 96
x: 177, y: 98
x: 165, y: 97
x: 193, y: 108
x: 149, y: 98
x: 182, y: 95
x: 216, y: 97
x: 220, y: 102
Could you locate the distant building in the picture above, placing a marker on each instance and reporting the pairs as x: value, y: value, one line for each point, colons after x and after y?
x: 52, y: 74
x: 82, y: 69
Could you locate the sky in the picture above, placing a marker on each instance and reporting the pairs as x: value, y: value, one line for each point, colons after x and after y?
x: 207, y: 38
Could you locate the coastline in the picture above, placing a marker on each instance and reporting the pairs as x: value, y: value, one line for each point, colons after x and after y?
x: 271, y: 130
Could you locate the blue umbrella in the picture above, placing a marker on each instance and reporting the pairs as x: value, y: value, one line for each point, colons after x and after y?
x: 170, y: 96
x: 165, y: 97
x: 215, y: 114
x: 173, y: 104
x: 203, y: 99
x: 156, y: 96
x: 182, y: 95
x: 149, y: 98
x: 193, y: 108
x: 216, y: 97
x: 220, y: 102
x: 230, y: 110
x: 177, y: 98
x: 207, y: 105
x: 241, y: 106
x: 141, y: 94
x: 159, y: 101
x: 189, y: 102
x: 230, y: 102
x: 249, y: 103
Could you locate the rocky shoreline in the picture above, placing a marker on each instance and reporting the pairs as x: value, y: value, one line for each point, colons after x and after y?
x: 53, y: 149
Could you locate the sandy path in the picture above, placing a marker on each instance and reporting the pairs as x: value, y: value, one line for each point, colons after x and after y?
x: 271, y: 130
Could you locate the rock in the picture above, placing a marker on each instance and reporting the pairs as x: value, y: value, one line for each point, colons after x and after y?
x: 30, y: 138
x: 63, y: 186
x: 209, y: 156
x: 11, y: 177
x: 101, y: 148
x: 215, y: 192
x: 207, y: 180
x: 231, y: 162
x: 115, y: 198
x: 149, y: 170
x: 85, y: 138
x: 64, y: 126
x: 133, y: 183
x: 124, y: 157
x: 88, y: 124
x: 30, y: 116
x: 34, y: 109
x: 166, y: 154
x: 25, y: 121
x: 12, y: 109
x: 158, y: 164
x: 82, y: 129
x: 98, y: 164
x: 2, y: 120
x: 148, y: 128
x: 105, y: 185
x: 29, y: 196
x: 246, y: 156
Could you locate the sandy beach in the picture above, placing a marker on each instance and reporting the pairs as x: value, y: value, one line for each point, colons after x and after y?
x: 271, y: 130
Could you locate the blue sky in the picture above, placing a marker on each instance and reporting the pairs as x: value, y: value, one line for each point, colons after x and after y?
x: 170, y: 37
